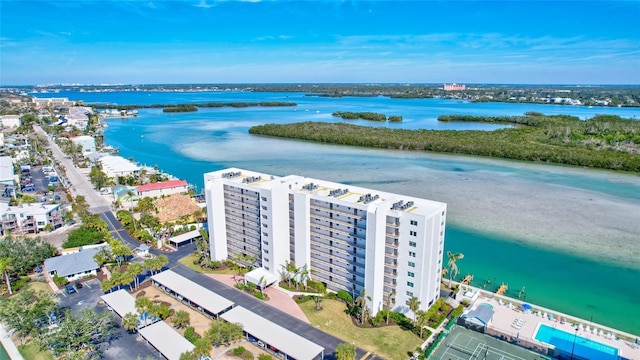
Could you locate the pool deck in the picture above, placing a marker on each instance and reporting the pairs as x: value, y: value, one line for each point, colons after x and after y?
x: 506, y: 314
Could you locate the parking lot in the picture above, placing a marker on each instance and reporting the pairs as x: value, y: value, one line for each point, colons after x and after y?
x: 125, y: 345
x: 44, y: 186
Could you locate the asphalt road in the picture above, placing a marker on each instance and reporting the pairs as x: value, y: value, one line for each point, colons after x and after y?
x: 79, y: 184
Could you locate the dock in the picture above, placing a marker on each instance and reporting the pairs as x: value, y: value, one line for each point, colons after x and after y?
x: 467, y: 279
x: 502, y: 289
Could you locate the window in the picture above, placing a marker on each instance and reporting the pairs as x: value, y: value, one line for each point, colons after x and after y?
x: 263, y: 198
x: 412, y: 264
x: 266, y: 259
x: 265, y: 251
x: 412, y: 243
x: 264, y: 216
x: 266, y: 267
x: 412, y: 254
x: 413, y: 233
x: 409, y: 284
x: 265, y: 225
x: 443, y: 213
x: 414, y: 223
x: 265, y: 233
x: 409, y: 293
x: 264, y: 207
x: 411, y: 274
x: 266, y: 242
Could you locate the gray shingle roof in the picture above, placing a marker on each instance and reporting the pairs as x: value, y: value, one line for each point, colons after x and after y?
x: 75, y: 263
x: 483, y: 313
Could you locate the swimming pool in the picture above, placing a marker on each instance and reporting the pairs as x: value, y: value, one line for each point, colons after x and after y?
x: 584, y: 348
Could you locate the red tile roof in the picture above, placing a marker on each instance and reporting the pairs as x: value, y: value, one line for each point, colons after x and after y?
x: 162, y: 185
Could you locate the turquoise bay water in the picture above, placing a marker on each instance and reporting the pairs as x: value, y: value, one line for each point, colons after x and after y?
x: 190, y: 144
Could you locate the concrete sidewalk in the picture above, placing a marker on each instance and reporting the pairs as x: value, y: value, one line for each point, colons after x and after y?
x: 8, y: 345
x: 277, y: 298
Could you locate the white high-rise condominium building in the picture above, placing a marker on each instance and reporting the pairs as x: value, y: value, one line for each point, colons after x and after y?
x: 350, y: 237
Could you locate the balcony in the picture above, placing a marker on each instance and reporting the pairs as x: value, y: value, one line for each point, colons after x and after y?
x: 332, y: 274
x: 242, y: 218
x: 245, y: 210
x: 313, y: 206
x: 243, y: 195
x: 241, y: 203
x: 391, y: 244
x: 328, y: 228
x: 393, y: 223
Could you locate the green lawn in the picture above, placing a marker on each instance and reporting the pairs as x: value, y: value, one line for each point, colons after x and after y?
x: 39, y: 286
x: 31, y: 351
x: 188, y: 262
x: 389, y: 342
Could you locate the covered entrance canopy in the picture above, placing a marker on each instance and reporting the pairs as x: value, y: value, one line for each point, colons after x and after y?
x: 260, y: 277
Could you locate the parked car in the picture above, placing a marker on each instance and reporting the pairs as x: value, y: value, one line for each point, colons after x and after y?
x: 78, y: 284
x: 70, y: 289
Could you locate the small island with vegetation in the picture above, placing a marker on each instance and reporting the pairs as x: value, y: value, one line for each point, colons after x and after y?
x: 604, y: 141
x: 371, y: 116
x: 194, y: 107
x: 180, y: 108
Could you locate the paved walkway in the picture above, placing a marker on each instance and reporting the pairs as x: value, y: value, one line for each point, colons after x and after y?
x: 277, y: 298
x: 8, y: 345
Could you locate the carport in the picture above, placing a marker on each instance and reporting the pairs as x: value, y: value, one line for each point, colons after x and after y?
x: 166, y: 340
x: 121, y: 302
x: 186, y: 238
x: 196, y: 296
x: 279, y: 339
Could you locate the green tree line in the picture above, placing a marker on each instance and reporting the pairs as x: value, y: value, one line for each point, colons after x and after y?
x: 204, y: 105
x: 348, y: 115
x: 604, y: 141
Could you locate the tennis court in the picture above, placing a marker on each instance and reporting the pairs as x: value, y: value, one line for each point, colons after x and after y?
x: 463, y: 344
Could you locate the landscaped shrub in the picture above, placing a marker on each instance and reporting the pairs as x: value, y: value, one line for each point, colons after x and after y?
x: 264, y: 357
x: 58, y: 280
x: 191, y: 334
x: 344, y: 296
x: 248, y: 355
x: 238, y: 351
x: 20, y: 283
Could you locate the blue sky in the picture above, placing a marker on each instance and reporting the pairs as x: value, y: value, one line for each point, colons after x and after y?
x: 208, y: 41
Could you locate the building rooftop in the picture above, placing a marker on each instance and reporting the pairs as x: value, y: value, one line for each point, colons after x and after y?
x: 166, y: 340
x: 117, y: 164
x: 6, y: 168
x: 75, y: 263
x: 121, y: 302
x: 162, y: 185
x: 282, y: 339
x: 197, y: 294
x: 334, y: 192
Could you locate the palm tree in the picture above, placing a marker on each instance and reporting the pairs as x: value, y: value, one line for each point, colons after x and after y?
x: 262, y: 283
x: 135, y: 269
x: 414, y: 304
x: 181, y: 319
x: 130, y: 322
x: 362, y: 302
x: 453, y: 268
x: 6, y: 265
x: 422, y: 317
x: 318, y: 298
x: 389, y: 303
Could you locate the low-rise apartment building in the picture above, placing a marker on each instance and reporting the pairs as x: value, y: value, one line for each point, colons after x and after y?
x: 29, y: 218
x: 350, y: 238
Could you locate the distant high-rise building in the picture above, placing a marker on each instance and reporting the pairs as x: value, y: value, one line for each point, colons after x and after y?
x: 350, y: 238
x: 454, y: 87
